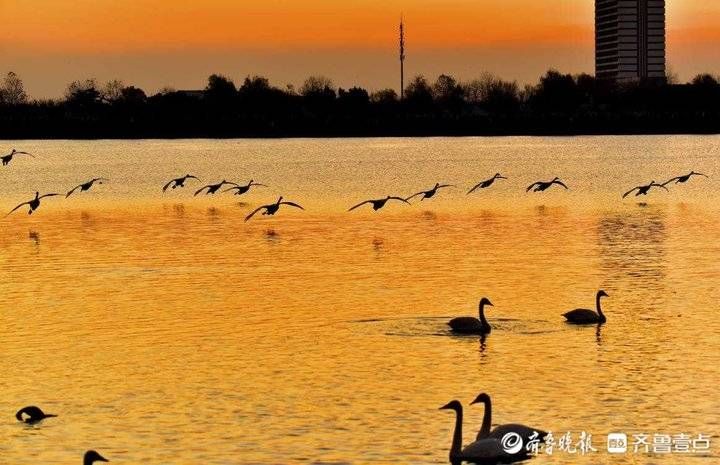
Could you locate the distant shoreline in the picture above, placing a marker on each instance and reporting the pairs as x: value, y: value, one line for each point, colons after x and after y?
x: 388, y: 135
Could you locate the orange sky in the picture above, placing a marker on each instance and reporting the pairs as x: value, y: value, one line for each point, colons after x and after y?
x: 153, y: 43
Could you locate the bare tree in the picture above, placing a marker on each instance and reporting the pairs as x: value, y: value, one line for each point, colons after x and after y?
x: 12, y: 91
x: 317, y: 85
x: 112, y: 91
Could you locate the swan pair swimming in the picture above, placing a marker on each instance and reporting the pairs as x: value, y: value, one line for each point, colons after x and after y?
x: 488, y: 447
x: 480, y: 326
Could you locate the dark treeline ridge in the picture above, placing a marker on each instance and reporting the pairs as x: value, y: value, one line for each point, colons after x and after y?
x: 559, y: 104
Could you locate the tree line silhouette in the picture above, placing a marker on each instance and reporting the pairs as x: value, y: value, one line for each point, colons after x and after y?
x: 560, y: 104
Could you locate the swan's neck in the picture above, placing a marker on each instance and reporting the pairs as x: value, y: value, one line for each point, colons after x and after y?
x: 482, y: 315
x: 487, y: 420
x: 456, y: 446
x: 599, y: 308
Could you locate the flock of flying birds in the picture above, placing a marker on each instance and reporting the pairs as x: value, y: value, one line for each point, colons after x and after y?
x: 377, y: 204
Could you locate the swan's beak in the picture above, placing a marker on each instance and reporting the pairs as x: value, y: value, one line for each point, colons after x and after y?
x: 100, y: 458
x: 446, y: 406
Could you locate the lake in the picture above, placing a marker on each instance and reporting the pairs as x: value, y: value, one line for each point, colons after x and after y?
x: 164, y: 329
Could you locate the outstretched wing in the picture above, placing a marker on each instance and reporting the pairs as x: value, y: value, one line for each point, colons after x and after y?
x: 165, y: 187
x: 476, y: 187
x: 414, y: 195
x: 254, y: 211
x: 70, y: 192
x: 258, y: 184
x: 400, y: 199
x: 670, y: 181
x: 231, y: 188
x: 663, y: 186
x: 292, y: 204
x: 699, y: 174
x: 630, y: 191
x: 24, y: 153
x: 24, y: 203
x: 445, y: 185
x: 200, y: 190
x: 192, y: 177
x: 532, y: 185
x: 359, y: 205
x: 47, y: 195
x: 561, y: 183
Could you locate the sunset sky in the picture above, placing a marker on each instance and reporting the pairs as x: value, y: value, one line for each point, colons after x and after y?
x: 178, y: 43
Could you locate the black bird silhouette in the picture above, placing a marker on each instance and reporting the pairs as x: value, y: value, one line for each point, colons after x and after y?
x: 377, y: 204
x: 243, y: 189
x: 33, y: 204
x: 179, y: 182
x: 91, y: 457
x: 643, y: 190
x: 683, y: 179
x: 541, y: 186
x: 486, y: 451
x: 8, y: 158
x: 86, y: 186
x: 32, y: 415
x: 272, y: 208
x: 525, y: 432
x: 430, y: 193
x: 583, y: 316
x: 212, y: 188
x: 487, y: 183
x: 470, y: 324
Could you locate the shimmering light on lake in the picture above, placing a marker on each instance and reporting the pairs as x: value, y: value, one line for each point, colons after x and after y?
x: 164, y: 329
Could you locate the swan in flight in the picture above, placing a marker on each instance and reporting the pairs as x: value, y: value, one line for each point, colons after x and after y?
x: 684, y: 179
x: 483, y: 451
x: 542, y: 186
x: 86, y: 186
x: 33, y: 204
x: 91, y: 457
x: 487, y: 183
x: 643, y: 190
x: 34, y: 415
x: 429, y: 193
x: 470, y: 324
x: 525, y: 432
x: 377, y: 204
x: 272, y: 208
x: 243, y: 189
x: 583, y: 316
x: 212, y: 188
x: 8, y: 158
x: 179, y: 182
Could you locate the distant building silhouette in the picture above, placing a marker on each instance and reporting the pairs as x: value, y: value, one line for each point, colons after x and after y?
x: 630, y: 40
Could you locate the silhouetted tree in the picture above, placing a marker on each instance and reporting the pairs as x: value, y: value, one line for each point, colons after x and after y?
x: 418, y: 94
x: 447, y: 93
x: 384, y: 97
x: 556, y: 92
x: 83, y: 93
x: 12, y: 91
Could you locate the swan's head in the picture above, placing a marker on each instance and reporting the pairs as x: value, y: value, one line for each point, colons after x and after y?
x: 452, y: 405
x: 251, y: 181
x: 437, y: 184
x: 91, y: 457
x: 556, y: 178
x: 482, y: 397
x: 280, y: 199
x: 485, y: 301
x: 602, y: 294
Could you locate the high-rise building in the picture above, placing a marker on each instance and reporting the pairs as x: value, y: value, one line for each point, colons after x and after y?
x: 630, y: 39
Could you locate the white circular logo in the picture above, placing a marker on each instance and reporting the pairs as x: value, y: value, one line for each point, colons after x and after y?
x: 512, y: 443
